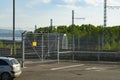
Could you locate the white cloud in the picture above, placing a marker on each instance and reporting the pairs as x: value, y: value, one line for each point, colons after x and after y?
x: 33, y: 3
x: 46, y: 1
x: 2, y: 16
x: 70, y: 4
x: 113, y: 3
x: 75, y: 4
x: 93, y: 2
x: 71, y: 1
x: 100, y: 2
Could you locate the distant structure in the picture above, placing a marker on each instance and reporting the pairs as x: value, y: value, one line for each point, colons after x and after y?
x: 51, y: 25
x: 35, y: 28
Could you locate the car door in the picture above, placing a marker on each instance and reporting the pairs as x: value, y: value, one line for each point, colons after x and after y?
x: 4, y: 66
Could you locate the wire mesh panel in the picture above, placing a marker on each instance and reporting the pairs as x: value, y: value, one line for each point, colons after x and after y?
x: 44, y: 46
x: 41, y: 45
x: 6, y: 48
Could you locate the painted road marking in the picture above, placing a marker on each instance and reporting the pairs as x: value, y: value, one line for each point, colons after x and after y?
x: 95, y: 68
x: 67, y: 67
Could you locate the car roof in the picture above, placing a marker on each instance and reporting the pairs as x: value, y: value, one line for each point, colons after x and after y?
x: 6, y: 58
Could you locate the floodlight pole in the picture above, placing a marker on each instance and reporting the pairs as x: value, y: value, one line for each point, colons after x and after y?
x: 14, y: 27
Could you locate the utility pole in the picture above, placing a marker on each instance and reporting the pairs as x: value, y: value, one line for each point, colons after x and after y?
x: 73, y: 42
x: 73, y: 39
x: 14, y: 51
x: 73, y: 33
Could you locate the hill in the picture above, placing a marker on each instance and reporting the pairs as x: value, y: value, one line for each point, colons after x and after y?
x: 9, y: 33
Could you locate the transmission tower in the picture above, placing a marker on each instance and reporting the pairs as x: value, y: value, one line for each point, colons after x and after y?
x: 105, y: 24
x: 105, y: 13
x: 105, y: 20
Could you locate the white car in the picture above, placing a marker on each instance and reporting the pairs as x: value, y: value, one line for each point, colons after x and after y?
x: 9, y: 68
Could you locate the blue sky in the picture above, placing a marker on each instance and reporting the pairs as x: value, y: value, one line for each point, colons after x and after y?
x: 39, y: 12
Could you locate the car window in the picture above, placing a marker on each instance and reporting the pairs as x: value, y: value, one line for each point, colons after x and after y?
x: 3, y: 63
x: 14, y: 61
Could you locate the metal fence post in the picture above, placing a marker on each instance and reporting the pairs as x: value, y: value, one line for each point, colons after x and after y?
x: 48, y: 44
x: 42, y: 47
x: 58, y: 54
x: 23, y: 48
x: 99, y: 47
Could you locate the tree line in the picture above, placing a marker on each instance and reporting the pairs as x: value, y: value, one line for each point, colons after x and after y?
x: 109, y: 35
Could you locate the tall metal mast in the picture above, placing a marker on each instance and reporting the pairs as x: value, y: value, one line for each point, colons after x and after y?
x: 14, y: 27
x: 73, y: 42
x: 105, y: 13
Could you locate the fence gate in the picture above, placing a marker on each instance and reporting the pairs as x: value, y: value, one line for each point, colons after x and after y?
x: 40, y: 46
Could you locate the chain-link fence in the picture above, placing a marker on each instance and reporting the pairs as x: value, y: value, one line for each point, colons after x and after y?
x: 54, y: 46
x: 43, y: 45
x: 6, y: 48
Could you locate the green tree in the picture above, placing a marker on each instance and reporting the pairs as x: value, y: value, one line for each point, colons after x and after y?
x: 1, y: 44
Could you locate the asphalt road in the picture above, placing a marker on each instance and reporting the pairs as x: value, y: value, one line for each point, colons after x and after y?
x: 71, y: 71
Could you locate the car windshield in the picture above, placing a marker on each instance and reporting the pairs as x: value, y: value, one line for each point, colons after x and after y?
x: 14, y: 61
